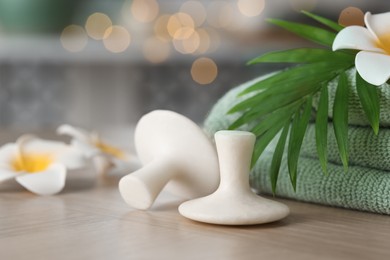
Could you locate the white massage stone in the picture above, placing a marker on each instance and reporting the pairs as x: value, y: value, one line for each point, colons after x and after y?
x: 234, y: 203
x: 175, y: 152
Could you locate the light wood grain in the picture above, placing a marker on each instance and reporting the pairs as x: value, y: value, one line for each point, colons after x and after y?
x: 89, y: 220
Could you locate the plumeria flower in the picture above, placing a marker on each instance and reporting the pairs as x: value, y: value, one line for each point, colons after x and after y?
x: 107, y: 158
x: 373, y: 61
x: 38, y: 165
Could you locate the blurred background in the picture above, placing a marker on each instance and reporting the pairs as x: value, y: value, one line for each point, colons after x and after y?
x: 101, y: 64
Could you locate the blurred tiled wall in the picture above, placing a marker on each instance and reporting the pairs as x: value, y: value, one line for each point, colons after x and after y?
x: 44, y: 95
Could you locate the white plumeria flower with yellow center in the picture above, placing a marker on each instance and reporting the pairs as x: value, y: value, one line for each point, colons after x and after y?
x: 38, y: 165
x: 373, y: 61
x: 107, y: 158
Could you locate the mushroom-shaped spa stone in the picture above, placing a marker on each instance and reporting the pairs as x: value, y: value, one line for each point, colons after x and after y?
x: 175, y: 152
x: 233, y: 203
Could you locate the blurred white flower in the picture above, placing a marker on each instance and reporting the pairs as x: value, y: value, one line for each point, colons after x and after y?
x: 107, y: 158
x: 38, y: 165
x: 373, y: 61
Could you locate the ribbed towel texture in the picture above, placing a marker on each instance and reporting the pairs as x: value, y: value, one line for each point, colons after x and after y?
x: 366, y: 185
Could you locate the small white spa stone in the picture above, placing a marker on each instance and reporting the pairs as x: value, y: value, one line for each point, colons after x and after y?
x: 175, y: 153
x: 233, y: 203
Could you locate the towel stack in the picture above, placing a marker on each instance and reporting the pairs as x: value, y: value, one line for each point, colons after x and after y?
x: 366, y: 185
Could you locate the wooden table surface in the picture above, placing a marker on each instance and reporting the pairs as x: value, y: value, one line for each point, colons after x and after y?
x: 89, y: 220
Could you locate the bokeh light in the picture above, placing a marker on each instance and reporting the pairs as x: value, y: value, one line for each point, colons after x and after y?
x: 179, y: 21
x: 220, y: 14
x: 161, y: 28
x: 351, y: 16
x: 204, y: 71
x: 250, y: 8
x: 145, y: 11
x: 116, y: 39
x: 97, y: 24
x: 187, y: 45
x: 156, y: 50
x: 183, y: 33
x: 204, y: 41
x: 74, y: 38
x: 196, y: 10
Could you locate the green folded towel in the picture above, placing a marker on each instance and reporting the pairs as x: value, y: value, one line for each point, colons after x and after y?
x: 365, y: 148
x: 366, y: 186
x: 361, y: 188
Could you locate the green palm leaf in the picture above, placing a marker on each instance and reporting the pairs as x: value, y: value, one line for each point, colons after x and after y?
x: 263, y: 140
x: 321, y: 129
x: 298, y: 130
x: 303, y: 55
x: 268, y: 104
x: 340, y: 118
x: 282, y: 102
x: 286, y: 92
x: 304, y: 73
x: 315, y: 34
x: 280, y: 114
x: 335, y: 26
x: 368, y: 95
x: 277, y: 157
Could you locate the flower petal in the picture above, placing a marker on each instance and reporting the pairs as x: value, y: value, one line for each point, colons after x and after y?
x: 87, y: 149
x: 373, y: 67
x: 72, y: 158
x: 6, y: 174
x: 357, y: 38
x: 48, y: 182
x: 74, y: 132
x: 32, y: 144
x: 378, y: 24
x: 63, y: 153
x: 7, y: 153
